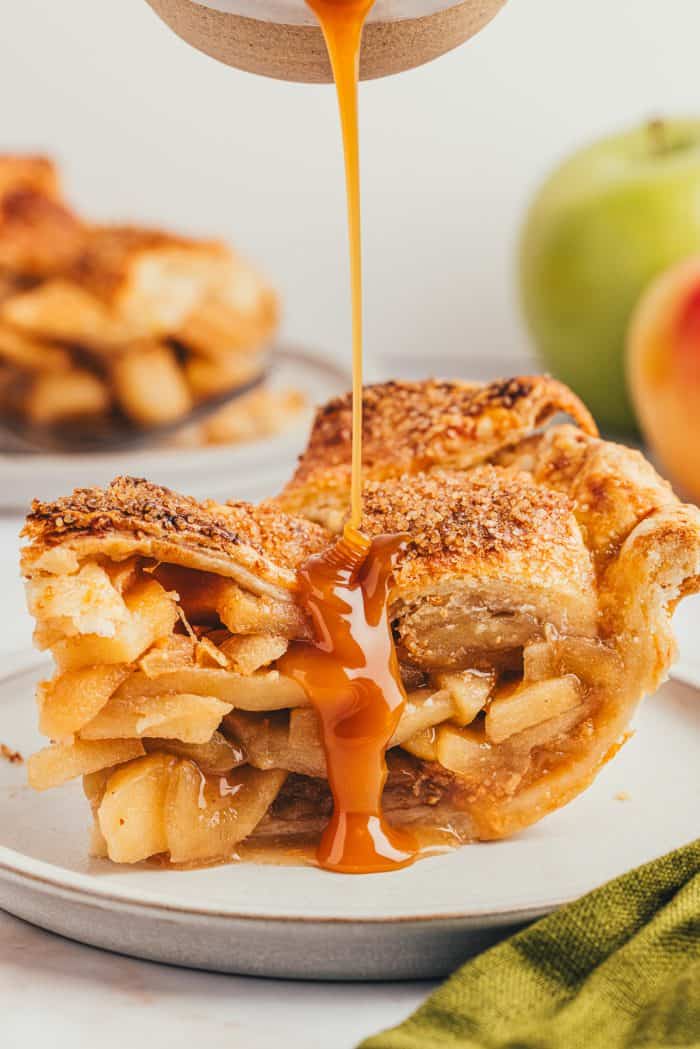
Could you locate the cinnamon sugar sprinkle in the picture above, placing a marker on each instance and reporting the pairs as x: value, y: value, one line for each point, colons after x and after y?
x: 487, y: 511
x: 133, y: 505
x: 409, y: 426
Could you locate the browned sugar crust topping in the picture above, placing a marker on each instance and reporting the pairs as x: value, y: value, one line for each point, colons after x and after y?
x: 131, y: 505
x: 410, y: 426
x: 487, y: 512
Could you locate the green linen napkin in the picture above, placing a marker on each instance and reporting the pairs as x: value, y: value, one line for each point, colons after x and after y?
x: 617, y: 969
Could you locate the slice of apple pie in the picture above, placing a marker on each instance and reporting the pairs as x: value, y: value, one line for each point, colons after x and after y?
x: 530, y: 609
x: 113, y: 326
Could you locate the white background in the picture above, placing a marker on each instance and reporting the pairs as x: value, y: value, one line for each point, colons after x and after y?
x: 150, y: 130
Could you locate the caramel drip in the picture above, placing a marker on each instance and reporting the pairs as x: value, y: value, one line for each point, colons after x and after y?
x: 351, y: 675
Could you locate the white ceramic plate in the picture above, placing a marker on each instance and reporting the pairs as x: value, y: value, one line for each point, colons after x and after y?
x: 301, y: 922
x: 219, y: 471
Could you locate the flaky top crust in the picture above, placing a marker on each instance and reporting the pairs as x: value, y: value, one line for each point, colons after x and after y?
x: 489, y: 523
x: 412, y: 427
x: 549, y: 513
x: 134, y: 516
x: 612, y: 487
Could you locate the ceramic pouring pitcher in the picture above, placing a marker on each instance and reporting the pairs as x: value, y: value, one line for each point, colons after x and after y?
x: 281, y: 38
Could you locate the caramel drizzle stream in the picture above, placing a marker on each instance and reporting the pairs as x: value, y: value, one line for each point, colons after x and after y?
x: 351, y: 672
x: 342, y: 22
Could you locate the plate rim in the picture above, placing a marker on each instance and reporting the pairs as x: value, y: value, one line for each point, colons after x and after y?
x: 116, y: 901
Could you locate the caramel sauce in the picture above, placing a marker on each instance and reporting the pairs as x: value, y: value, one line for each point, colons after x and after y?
x: 351, y: 674
x: 342, y: 22
x: 350, y: 671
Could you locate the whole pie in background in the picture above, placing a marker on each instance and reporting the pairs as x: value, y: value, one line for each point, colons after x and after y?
x: 101, y: 321
x: 531, y: 610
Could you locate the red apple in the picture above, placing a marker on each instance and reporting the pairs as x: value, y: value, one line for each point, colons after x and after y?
x: 663, y: 368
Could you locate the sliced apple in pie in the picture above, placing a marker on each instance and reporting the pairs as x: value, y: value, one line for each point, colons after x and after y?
x: 530, y: 610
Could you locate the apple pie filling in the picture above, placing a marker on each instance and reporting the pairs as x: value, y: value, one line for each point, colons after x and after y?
x: 185, y: 732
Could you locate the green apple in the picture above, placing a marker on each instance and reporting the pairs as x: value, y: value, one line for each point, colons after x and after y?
x: 604, y: 224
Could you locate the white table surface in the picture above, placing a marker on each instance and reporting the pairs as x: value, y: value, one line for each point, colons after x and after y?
x: 75, y: 997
